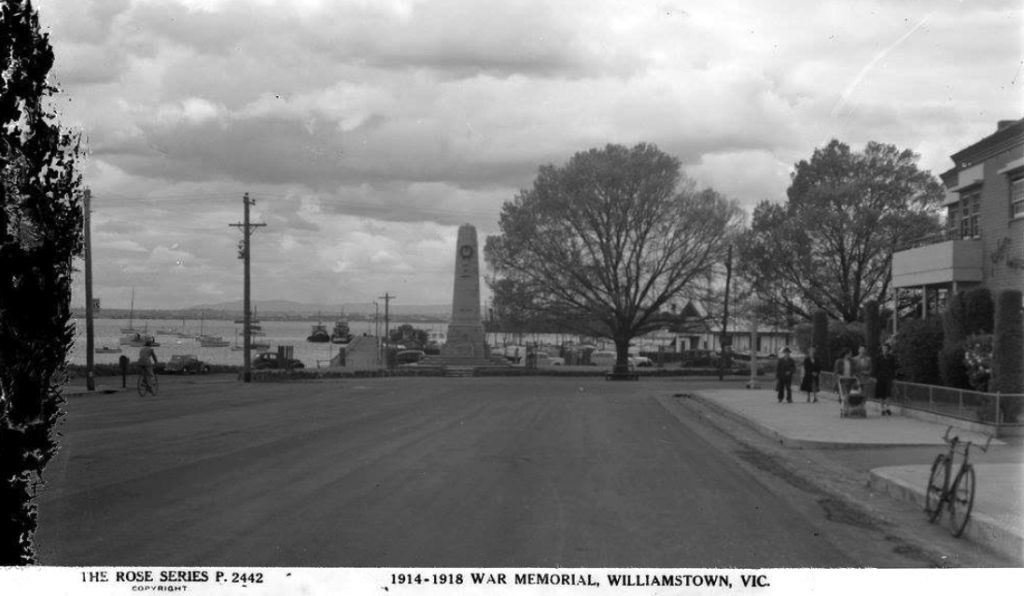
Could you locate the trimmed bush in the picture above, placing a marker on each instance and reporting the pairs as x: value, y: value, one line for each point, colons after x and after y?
x: 872, y: 329
x: 979, y: 311
x: 1008, y: 351
x: 953, y: 367
x: 954, y: 320
x: 843, y: 336
x: 978, y: 361
x: 820, y: 338
x: 803, y: 336
x: 917, y: 345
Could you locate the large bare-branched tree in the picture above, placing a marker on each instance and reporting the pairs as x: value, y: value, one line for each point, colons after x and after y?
x: 606, y: 241
x: 40, y: 232
x: 830, y: 245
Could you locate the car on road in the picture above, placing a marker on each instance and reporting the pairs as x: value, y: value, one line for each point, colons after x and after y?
x: 185, y: 364
x: 269, y: 360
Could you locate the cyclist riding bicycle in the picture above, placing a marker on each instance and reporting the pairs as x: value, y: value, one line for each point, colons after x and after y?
x: 147, y: 360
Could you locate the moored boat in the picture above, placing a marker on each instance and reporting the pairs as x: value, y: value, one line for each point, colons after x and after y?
x: 138, y: 339
x: 341, y: 333
x: 318, y: 333
x: 212, y: 341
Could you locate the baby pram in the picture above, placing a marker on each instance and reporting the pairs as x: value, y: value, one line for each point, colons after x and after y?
x: 851, y: 398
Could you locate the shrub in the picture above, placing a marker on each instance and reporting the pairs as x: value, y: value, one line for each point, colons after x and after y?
x: 872, y: 328
x: 917, y: 344
x: 1008, y: 351
x: 803, y: 336
x: 820, y: 341
x: 843, y: 336
x: 954, y: 320
x: 953, y: 367
x: 977, y: 361
x: 979, y: 311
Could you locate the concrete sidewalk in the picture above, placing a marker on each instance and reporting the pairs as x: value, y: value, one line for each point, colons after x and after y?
x: 997, y: 519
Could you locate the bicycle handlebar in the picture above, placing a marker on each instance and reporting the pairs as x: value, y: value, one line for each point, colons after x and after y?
x: 967, y: 444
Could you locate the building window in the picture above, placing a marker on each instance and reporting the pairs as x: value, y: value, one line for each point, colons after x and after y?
x: 1017, y: 197
x: 952, y: 221
x: 970, y: 209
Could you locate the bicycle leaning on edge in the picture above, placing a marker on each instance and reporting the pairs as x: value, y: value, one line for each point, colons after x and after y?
x: 151, y: 385
x: 956, y: 493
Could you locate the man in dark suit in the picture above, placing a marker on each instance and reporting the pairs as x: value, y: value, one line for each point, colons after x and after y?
x: 784, y: 372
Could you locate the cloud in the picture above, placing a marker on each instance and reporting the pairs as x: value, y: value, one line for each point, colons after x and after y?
x: 395, y: 120
x: 748, y: 176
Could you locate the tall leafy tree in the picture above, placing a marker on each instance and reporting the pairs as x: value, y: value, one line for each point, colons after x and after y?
x: 512, y: 305
x: 40, y: 233
x: 830, y: 245
x: 606, y: 241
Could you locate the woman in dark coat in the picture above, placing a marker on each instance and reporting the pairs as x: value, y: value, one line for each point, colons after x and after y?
x: 885, y: 372
x: 809, y: 382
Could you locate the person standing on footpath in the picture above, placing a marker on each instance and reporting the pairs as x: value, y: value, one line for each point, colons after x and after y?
x: 784, y: 372
x: 885, y: 372
x: 844, y: 370
x: 809, y: 381
x: 863, y: 367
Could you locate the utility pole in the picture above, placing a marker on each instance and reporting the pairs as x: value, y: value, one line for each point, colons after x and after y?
x: 247, y: 316
x: 90, y: 379
x: 376, y: 328
x: 387, y: 330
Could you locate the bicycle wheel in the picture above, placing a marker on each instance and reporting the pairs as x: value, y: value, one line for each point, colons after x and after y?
x: 154, y: 384
x: 938, y: 480
x: 961, y: 500
x: 142, y: 384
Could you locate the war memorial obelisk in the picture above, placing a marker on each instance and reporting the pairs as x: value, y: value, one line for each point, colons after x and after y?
x: 466, y: 338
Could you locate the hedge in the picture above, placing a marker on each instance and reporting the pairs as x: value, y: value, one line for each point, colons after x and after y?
x: 979, y: 311
x: 954, y: 320
x: 843, y: 336
x: 1008, y: 345
x: 917, y: 344
x: 953, y: 368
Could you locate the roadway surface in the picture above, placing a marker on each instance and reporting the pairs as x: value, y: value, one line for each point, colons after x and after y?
x: 404, y: 472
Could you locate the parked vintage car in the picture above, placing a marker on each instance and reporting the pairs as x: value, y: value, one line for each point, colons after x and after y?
x: 183, y: 364
x: 545, y: 359
x: 267, y: 360
x: 409, y: 356
x: 640, y: 361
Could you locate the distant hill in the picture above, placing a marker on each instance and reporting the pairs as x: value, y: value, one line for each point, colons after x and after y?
x: 329, y: 310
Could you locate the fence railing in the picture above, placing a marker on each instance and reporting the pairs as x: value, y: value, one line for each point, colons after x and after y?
x: 998, y: 409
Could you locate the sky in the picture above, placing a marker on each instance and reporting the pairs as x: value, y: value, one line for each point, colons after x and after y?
x: 367, y: 131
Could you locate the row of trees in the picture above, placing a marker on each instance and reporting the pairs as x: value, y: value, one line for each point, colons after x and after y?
x: 609, y: 243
